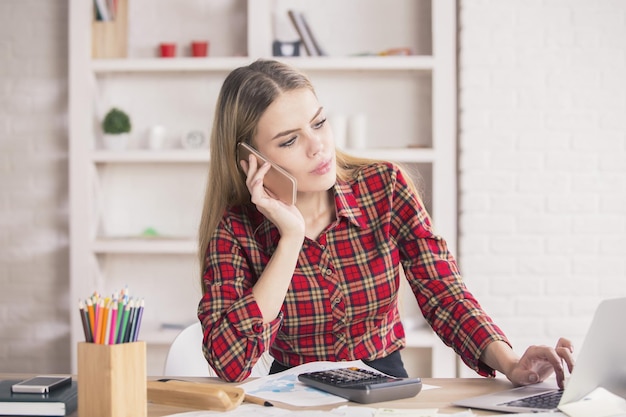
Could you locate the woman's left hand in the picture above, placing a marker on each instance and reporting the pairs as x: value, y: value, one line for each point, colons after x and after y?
x: 538, y: 363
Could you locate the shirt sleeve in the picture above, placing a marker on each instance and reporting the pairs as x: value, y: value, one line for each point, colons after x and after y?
x: 447, y: 305
x: 234, y: 334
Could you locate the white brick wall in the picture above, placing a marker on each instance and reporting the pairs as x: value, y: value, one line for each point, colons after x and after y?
x: 543, y: 161
x: 34, y: 304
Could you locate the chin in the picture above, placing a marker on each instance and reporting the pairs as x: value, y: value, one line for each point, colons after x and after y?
x: 330, y: 182
x: 324, y: 183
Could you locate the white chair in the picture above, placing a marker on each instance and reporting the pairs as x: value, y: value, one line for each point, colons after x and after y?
x: 185, y: 357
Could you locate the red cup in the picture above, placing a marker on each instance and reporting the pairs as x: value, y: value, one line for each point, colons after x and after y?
x: 199, y: 48
x: 168, y: 50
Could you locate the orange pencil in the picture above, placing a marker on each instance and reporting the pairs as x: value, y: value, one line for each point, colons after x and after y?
x: 102, y: 321
x: 107, y: 329
x: 99, y: 305
x: 105, y: 319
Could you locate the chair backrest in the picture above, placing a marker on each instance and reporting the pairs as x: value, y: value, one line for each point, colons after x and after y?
x: 185, y: 357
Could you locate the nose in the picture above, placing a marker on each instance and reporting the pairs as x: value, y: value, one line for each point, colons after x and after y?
x: 315, y: 143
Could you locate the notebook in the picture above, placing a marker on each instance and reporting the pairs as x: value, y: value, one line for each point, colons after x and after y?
x: 60, y: 402
x: 601, y: 363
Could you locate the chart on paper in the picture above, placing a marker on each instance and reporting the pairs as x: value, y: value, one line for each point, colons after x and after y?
x: 285, y: 387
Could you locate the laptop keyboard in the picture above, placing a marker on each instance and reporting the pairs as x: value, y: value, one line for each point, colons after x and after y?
x: 547, y: 401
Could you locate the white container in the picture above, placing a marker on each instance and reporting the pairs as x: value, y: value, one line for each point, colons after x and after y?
x: 156, y: 137
x: 357, y: 131
x: 115, y: 142
x: 339, y: 125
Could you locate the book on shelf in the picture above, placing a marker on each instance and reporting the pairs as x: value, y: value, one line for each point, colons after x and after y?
x: 102, y: 11
x: 59, y: 402
x: 311, y: 45
x: 318, y: 50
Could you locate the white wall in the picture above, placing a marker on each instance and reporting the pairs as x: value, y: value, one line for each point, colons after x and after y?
x: 543, y: 161
x: 34, y: 304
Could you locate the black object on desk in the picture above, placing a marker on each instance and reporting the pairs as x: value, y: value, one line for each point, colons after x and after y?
x: 59, y: 402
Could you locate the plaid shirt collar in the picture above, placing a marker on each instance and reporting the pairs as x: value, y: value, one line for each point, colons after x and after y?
x: 347, y: 207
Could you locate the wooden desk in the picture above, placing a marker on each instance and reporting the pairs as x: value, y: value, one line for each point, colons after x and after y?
x: 450, y: 389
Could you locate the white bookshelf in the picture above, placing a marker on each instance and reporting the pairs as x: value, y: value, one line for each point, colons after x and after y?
x: 409, y: 101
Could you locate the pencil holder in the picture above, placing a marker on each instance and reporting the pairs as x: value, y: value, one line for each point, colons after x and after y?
x: 112, y: 380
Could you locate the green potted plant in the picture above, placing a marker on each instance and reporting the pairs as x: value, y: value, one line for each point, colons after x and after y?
x: 116, y: 127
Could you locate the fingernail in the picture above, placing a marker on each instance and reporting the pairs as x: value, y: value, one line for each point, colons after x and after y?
x: 532, y: 378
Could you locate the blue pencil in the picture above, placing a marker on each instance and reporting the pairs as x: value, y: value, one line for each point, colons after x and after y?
x: 131, y: 321
x: 138, y: 320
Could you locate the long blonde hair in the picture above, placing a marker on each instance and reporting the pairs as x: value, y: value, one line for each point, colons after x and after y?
x: 245, y: 95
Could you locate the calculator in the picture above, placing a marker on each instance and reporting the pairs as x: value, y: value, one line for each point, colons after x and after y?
x: 362, y: 386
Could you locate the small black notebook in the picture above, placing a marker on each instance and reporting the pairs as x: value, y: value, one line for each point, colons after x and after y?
x: 60, y: 402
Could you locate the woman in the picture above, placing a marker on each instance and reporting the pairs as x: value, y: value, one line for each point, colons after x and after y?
x: 319, y: 280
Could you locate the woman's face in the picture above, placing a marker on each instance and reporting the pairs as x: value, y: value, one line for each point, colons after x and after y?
x: 294, y: 134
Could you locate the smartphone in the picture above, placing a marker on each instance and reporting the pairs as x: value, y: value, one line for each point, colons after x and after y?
x: 41, y: 384
x: 281, y: 183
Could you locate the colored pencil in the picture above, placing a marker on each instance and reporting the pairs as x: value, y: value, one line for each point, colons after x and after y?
x: 138, y: 321
x: 92, y: 317
x: 131, y: 321
x: 85, y: 320
x: 122, y: 332
x: 100, y: 321
x: 106, y: 321
x: 113, y: 313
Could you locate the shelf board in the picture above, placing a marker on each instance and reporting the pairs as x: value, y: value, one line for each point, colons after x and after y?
x: 167, y: 64
x: 227, y: 64
x: 149, y: 156
x: 404, y: 155
x: 366, y: 63
x: 421, y: 338
x: 154, y: 336
x: 180, y: 246
x: 417, y: 338
x: 414, y: 155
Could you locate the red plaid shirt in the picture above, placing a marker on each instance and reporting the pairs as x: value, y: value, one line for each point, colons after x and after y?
x: 342, y: 303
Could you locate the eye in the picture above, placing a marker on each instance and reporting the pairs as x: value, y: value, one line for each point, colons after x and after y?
x: 289, y: 142
x: 320, y: 124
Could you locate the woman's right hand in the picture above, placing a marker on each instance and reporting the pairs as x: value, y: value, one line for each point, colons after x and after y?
x: 287, y: 218
x: 271, y: 287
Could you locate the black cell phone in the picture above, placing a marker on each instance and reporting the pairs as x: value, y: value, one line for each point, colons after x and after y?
x: 281, y: 183
x: 41, y: 384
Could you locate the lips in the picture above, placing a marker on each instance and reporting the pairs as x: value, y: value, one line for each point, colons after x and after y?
x: 323, y: 168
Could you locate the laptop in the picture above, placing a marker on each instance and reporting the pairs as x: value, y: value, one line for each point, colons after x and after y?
x: 600, y: 363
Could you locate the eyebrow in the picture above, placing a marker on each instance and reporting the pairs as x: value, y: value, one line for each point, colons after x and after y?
x: 287, y: 132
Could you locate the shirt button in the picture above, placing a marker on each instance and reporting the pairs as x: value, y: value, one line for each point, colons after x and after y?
x: 336, y: 300
x: 328, y: 271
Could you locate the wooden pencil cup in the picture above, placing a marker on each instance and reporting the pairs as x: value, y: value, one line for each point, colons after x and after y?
x: 112, y: 380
